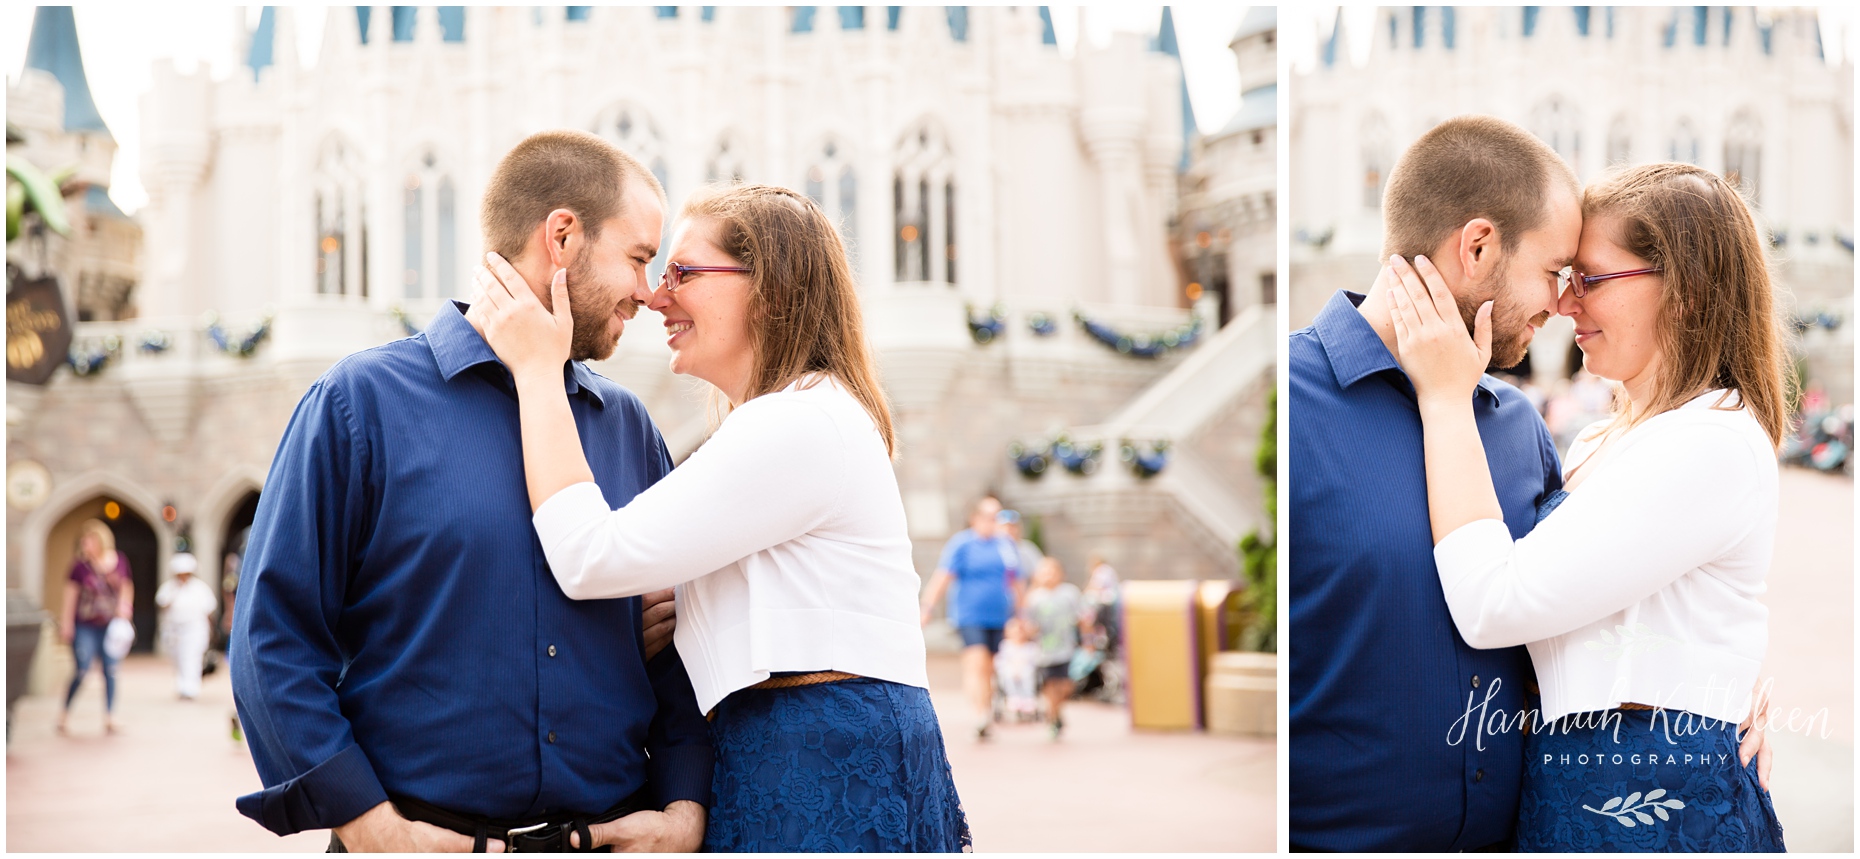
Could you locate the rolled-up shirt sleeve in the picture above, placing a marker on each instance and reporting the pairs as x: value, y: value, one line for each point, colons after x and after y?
x: 771, y: 473
x: 285, y: 658
x: 1662, y: 508
x: 678, y: 740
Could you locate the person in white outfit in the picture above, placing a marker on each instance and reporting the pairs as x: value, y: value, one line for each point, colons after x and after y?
x: 187, y: 605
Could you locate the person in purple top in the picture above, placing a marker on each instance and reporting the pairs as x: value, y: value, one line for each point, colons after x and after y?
x: 100, y: 590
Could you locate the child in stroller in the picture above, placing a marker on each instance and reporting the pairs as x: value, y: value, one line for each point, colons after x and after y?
x: 1014, y: 674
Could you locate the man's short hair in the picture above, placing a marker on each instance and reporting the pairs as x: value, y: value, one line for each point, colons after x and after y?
x: 1470, y: 167
x: 549, y: 170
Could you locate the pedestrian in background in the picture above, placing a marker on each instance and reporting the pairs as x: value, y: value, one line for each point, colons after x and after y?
x: 1057, y: 611
x: 1027, y: 556
x: 982, y: 564
x: 187, y: 605
x: 98, y: 591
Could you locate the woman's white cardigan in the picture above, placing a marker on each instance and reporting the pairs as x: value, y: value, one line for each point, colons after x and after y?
x: 1644, y: 585
x: 785, y: 535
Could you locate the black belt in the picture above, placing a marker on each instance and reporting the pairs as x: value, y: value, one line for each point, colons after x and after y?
x: 548, y: 834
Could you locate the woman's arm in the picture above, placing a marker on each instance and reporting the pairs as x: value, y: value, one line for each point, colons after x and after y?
x: 67, y: 617
x: 939, y: 584
x: 1676, y: 499
x: 774, y: 471
x: 1445, y: 364
x: 533, y: 343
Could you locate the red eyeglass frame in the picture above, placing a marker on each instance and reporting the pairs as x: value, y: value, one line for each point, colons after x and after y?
x: 1580, y: 283
x: 674, y: 275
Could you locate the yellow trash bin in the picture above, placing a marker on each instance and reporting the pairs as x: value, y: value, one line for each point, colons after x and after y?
x: 1172, y: 629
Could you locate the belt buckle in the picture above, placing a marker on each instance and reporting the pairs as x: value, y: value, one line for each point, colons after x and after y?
x: 510, y: 836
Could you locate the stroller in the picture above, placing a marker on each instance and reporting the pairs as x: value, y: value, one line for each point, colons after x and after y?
x: 1098, y: 667
x: 1016, y: 696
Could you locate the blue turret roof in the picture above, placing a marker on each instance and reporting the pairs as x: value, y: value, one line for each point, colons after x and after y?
x: 258, y: 56
x: 1166, y: 43
x: 54, y: 49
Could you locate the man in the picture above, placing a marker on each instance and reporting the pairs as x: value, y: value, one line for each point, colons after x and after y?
x: 187, y: 605
x: 1382, y: 757
x: 1027, y: 556
x: 983, y: 564
x: 405, y: 665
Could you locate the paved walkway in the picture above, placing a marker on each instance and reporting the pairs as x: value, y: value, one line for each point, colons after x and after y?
x: 166, y: 781
x: 1811, y: 601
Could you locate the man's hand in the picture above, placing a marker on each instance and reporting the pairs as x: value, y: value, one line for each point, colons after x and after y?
x: 1755, y: 742
x: 382, y: 830
x: 677, y: 829
x: 660, y: 618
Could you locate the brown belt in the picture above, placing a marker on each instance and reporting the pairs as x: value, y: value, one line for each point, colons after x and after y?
x: 1629, y: 705
x: 792, y: 680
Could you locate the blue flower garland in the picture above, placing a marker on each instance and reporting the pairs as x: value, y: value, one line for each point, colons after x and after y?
x: 89, y: 361
x: 244, y: 346
x: 1031, y: 463
x: 154, y: 342
x: 406, y: 324
x: 1142, y: 345
x: 1042, y: 324
x: 1145, y: 461
x: 985, y: 329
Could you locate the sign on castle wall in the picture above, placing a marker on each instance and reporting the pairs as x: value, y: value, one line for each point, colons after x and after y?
x: 38, y: 335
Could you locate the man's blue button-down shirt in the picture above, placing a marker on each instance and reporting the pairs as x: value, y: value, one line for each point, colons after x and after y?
x: 1381, y: 758
x: 398, y: 630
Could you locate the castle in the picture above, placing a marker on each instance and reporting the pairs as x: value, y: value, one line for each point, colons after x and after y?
x: 1044, y: 248
x: 1743, y: 91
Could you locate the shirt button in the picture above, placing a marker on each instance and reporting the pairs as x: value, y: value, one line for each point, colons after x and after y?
x: 1475, y: 676
x: 552, y: 653
x: 1478, y: 775
x: 552, y: 739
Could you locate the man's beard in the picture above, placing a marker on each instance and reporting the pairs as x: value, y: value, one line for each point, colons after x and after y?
x: 1509, y: 327
x: 589, y: 341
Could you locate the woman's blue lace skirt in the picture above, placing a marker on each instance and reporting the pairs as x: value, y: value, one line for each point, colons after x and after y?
x: 1642, y: 781
x: 853, y: 766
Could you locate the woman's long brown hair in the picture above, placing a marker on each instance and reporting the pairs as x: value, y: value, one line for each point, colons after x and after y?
x: 1720, y: 326
x: 804, y: 314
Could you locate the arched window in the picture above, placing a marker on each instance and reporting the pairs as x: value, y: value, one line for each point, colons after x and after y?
x: 429, y: 216
x: 1685, y: 143
x: 1557, y: 124
x: 923, y: 194
x: 633, y: 130
x: 726, y: 161
x: 832, y: 183
x: 339, y: 216
x: 1378, y: 157
x: 1743, y: 153
x: 1620, y: 142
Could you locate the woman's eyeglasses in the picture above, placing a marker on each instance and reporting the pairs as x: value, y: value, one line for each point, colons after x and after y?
x: 674, y: 276
x: 1580, y: 283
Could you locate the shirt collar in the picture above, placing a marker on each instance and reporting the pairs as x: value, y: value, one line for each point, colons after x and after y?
x: 1355, y: 351
x: 458, y: 347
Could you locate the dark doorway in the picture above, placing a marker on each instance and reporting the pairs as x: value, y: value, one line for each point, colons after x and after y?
x: 135, y: 540
x: 232, y: 555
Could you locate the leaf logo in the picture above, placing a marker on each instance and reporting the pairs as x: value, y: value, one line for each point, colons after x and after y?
x: 1632, y: 810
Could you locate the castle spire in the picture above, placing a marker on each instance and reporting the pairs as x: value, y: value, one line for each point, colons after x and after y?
x: 54, y: 49
x: 1166, y: 43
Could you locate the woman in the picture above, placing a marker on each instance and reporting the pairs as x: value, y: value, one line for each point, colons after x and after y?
x: 1638, y: 591
x: 99, y: 591
x: 784, y: 533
